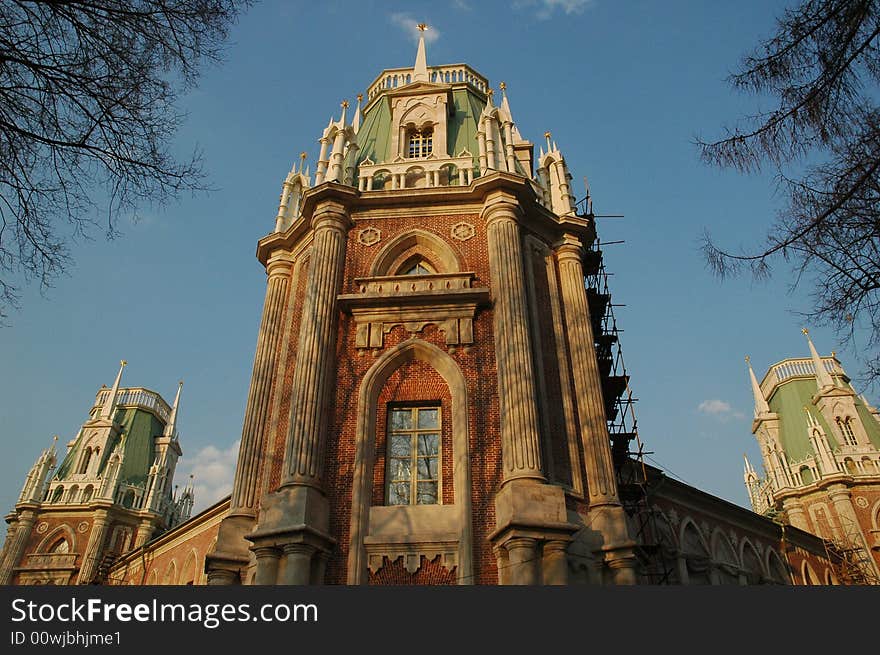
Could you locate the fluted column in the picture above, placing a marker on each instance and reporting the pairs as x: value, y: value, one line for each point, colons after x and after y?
x: 253, y: 433
x: 607, y: 515
x: 851, y: 530
x: 520, y: 449
x: 601, y: 483
x: 321, y: 170
x: 796, y: 514
x: 15, y: 549
x: 313, y: 374
x: 95, y: 547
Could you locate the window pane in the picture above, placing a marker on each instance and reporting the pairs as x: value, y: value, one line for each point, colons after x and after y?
x: 428, y: 444
x: 427, y: 468
x: 401, y: 419
x: 427, y: 493
x: 428, y: 418
x: 400, y: 469
x: 401, y: 445
x: 398, y: 493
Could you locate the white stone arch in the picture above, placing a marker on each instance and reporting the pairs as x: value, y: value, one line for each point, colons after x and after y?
x: 62, y: 531
x: 365, y: 446
x: 170, y: 577
x: 695, y: 557
x: 778, y: 569
x: 808, y: 575
x: 750, y: 562
x: 434, y: 249
x: 72, y: 494
x: 189, y: 573
x: 830, y: 578
x: 875, y: 515
x: 724, y: 556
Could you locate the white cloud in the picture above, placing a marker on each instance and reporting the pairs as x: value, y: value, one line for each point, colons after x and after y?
x: 461, y: 5
x: 409, y: 25
x: 212, y: 470
x: 546, y: 8
x: 719, y: 409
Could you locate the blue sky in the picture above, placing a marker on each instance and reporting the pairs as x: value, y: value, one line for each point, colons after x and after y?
x: 624, y: 87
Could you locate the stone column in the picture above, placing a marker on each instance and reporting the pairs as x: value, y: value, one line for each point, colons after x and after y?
x: 267, y: 565
x: 253, y: 434
x: 555, y: 562
x: 321, y: 170
x: 796, y: 515
x: 299, y: 511
x: 95, y: 548
x: 314, y: 374
x: 14, y: 549
x: 144, y: 532
x: 606, y: 511
x: 850, y: 528
x: 522, y: 553
x: 521, y: 450
x: 299, y: 563
x: 222, y: 577
x: 231, y: 548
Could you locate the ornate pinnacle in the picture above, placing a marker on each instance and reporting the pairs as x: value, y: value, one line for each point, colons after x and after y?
x: 748, y: 360
x: 502, y: 86
x: 122, y: 362
x: 805, y: 330
x: 360, y: 96
x: 344, y: 104
x: 422, y: 27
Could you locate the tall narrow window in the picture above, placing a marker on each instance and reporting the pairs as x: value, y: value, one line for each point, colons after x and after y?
x: 846, y: 429
x: 413, y: 473
x: 420, y: 143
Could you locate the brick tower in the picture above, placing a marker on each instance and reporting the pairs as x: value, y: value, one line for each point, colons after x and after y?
x: 426, y: 404
x: 820, y: 446
x: 111, y: 493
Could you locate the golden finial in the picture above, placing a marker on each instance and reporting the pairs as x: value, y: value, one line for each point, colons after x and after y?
x: 422, y: 27
x: 303, y: 155
x: 546, y: 135
x: 122, y: 362
x: 805, y: 331
x: 491, y: 92
x: 360, y: 96
x: 748, y: 360
x: 344, y: 104
x: 834, y: 353
x: 502, y: 86
x: 55, y: 438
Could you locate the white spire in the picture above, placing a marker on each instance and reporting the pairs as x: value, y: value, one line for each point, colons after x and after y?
x: 110, y: 404
x: 344, y: 105
x: 761, y: 406
x: 420, y: 70
x: 823, y: 378
x: 356, y: 121
x: 171, y: 426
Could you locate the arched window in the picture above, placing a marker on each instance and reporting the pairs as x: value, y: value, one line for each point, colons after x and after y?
x: 84, y: 463
x: 60, y: 547
x: 416, y: 266
x: 849, y: 438
x: 72, y: 494
x: 58, y: 494
x: 419, y: 142
x: 87, y: 493
x: 128, y: 499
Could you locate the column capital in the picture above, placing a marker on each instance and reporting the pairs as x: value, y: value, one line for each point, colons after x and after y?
x: 266, y: 551
x: 500, y: 205
x: 569, y: 247
x: 280, y: 262
x: 298, y: 548
x: 331, y: 214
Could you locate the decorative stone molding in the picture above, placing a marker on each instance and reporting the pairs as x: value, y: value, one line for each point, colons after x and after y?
x: 861, y: 501
x: 463, y: 231
x: 369, y: 236
x: 412, y: 554
x: 445, y: 300
x: 42, y: 527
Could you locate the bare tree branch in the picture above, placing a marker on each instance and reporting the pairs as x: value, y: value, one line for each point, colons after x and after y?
x: 88, y: 94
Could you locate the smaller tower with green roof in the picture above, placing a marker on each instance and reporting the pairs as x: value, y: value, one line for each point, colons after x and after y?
x: 820, y: 447
x: 112, y: 491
